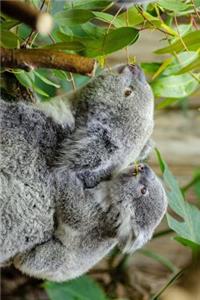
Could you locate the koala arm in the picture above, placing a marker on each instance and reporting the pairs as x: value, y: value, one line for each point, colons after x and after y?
x: 93, y: 155
x: 44, y: 261
x: 57, y: 261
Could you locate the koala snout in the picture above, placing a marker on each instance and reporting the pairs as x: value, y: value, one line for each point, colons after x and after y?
x: 146, y: 171
x: 134, y: 71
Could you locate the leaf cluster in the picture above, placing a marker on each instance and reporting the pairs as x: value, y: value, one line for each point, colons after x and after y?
x: 90, y: 28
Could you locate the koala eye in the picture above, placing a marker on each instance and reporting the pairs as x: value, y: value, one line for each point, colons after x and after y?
x: 128, y: 91
x: 143, y: 190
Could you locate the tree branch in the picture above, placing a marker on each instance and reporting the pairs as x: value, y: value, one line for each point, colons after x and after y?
x: 42, y: 22
x: 28, y: 59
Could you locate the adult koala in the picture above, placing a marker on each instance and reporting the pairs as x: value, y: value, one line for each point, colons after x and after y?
x: 113, y: 117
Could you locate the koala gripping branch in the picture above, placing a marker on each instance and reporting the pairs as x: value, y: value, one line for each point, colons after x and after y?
x: 28, y: 59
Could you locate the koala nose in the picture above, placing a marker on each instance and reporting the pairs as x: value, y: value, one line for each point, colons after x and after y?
x: 137, y: 72
x: 145, y: 170
x: 134, y: 70
x: 141, y: 168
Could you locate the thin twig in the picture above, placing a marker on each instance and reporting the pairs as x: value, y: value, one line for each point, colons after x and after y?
x: 195, y: 9
x: 148, y: 21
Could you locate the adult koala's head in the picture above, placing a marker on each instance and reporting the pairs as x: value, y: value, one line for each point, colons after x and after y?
x: 124, y: 85
x: 120, y: 98
x: 142, y: 203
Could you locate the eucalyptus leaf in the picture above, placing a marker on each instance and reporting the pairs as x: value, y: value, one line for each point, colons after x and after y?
x: 46, y: 80
x: 9, y: 24
x: 180, y: 62
x: 188, y: 227
x: 159, y: 258
x: 89, y: 4
x: 150, y: 67
x: 166, y: 102
x: 193, y: 65
x: 114, y: 40
x: 70, y: 45
x: 190, y: 40
x: 176, y: 6
x: 73, y: 16
x: 25, y: 78
x: 83, y: 288
x: 132, y: 18
x: 8, y: 39
x: 105, y: 17
x: 179, y: 86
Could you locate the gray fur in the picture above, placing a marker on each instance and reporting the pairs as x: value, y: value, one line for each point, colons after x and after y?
x: 90, y: 222
x: 108, y: 124
x: 41, y: 159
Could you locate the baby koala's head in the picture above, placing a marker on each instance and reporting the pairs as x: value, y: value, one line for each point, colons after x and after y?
x: 142, y: 203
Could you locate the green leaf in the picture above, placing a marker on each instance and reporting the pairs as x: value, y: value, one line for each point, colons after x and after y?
x: 6, y: 25
x: 176, y: 6
x: 191, y: 40
x: 24, y: 78
x: 166, y: 102
x: 109, y: 19
x: 109, y: 42
x: 179, y: 86
x: 187, y: 243
x: 89, y: 4
x: 188, y: 228
x: 150, y: 67
x: 83, y: 288
x: 46, y: 80
x: 73, y: 16
x: 179, y: 62
x: 114, y: 40
x: 132, y: 18
x: 60, y: 74
x: 39, y: 91
x: 194, y: 64
x: 28, y: 80
x: 8, y: 39
x: 70, y: 45
x: 159, y: 258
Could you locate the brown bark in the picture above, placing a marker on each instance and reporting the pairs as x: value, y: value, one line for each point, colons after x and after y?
x: 28, y: 59
x: 42, y: 22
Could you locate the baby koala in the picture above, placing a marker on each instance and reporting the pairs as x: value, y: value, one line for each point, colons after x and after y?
x: 123, y: 211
